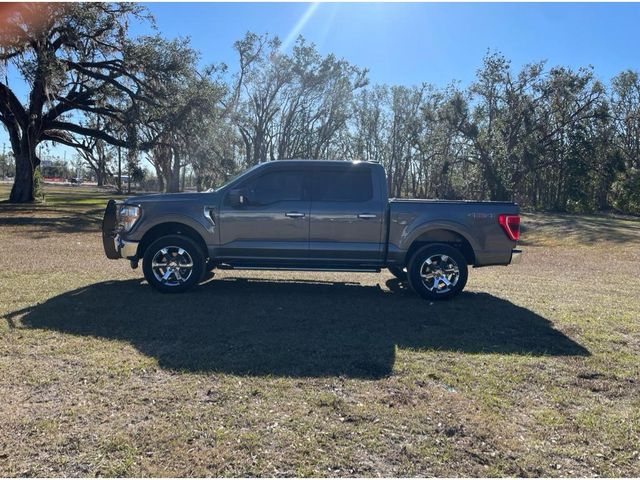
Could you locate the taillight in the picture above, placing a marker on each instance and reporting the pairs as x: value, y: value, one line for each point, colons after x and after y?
x: 511, y: 225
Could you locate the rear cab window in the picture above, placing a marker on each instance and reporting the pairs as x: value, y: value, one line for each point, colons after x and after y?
x: 336, y: 184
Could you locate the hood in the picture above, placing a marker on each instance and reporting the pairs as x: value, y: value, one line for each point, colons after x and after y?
x: 169, y: 197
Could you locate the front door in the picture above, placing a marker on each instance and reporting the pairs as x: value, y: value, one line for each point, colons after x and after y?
x: 272, y: 224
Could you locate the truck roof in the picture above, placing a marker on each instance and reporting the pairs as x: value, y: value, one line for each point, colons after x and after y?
x: 302, y: 161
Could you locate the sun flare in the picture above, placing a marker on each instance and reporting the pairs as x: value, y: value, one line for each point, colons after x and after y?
x: 297, y: 28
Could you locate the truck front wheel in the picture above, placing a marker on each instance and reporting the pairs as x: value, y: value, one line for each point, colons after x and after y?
x: 173, y: 264
x: 437, y: 272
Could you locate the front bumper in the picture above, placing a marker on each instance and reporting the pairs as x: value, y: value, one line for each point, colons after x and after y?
x: 516, y: 256
x: 124, y: 248
x: 114, y: 246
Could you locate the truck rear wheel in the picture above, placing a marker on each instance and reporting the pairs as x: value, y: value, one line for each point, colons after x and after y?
x: 437, y: 272
x: 173, y: 264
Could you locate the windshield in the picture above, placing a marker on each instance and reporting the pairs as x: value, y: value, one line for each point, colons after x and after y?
x: 234, y: 178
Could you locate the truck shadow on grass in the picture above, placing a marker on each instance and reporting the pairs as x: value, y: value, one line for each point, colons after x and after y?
x: 251, y: 326
x: 43, y: 221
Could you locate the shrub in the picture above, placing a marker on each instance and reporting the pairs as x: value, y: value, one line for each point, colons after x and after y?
x: 625, y: 192
x: 38, y: 185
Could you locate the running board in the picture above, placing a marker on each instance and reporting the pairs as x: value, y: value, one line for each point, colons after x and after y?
x: 302, y: 269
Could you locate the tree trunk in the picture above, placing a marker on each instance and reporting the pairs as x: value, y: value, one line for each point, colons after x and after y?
x: 173, y: 180
x: 160, y: 177
x: 119, y: 170
x: 99, y: 177
x: 102, y: 174
x: 26, y: 162
x: 22, y: 190
x: 173, y: 183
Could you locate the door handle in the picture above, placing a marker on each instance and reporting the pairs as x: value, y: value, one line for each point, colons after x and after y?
x: 367, y: 215
x: 294, y: 214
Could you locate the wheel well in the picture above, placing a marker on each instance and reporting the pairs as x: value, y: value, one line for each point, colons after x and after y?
x: 171, y: 228
x: 448, y: 237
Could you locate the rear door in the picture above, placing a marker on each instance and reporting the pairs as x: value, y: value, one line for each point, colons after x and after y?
x: 273, y: 225
x: 346, y: 216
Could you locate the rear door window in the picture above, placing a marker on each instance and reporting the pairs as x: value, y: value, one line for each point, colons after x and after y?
x: 342, y: 185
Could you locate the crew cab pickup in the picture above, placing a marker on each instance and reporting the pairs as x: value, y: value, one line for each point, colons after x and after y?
x: 310, y: 215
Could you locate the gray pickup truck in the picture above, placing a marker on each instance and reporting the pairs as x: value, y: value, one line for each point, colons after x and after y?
x: 310, y: 215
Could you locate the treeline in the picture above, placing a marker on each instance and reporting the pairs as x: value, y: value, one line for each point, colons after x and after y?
x: 553, y: 138
x: 547, y: 137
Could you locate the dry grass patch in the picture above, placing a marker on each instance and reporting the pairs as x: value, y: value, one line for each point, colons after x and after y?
x: 533, y: 371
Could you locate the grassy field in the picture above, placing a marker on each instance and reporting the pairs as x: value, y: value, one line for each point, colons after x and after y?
x: 533, y: 371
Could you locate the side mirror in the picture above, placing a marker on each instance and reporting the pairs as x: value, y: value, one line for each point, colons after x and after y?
x: 237, y: 198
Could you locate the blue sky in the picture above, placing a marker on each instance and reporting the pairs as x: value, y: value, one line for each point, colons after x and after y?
x: 409, y: 43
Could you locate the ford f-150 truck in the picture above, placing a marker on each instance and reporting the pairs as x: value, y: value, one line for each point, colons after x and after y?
x: 310, y: 215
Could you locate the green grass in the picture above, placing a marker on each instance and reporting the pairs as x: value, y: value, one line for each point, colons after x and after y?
x: 532, y: 372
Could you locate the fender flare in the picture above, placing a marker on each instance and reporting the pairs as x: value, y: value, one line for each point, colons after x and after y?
x: 177, y: 219
x: 433, y: 225
x: 204, y: 231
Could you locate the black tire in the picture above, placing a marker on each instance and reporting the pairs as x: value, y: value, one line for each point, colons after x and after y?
x: 176, y: 281
x: 399, y: 273
x: 447, y: 265
x: 210, y: 266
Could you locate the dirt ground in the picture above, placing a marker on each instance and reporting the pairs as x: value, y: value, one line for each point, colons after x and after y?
x: 533, y: 371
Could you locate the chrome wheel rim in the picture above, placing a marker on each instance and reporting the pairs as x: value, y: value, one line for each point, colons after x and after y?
x: 172, y: 266
x: 439, y: 273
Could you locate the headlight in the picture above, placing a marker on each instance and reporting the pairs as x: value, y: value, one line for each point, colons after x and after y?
x: 128, y: 216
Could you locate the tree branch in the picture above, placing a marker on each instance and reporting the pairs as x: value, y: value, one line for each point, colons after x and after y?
x: 57, y: 137
x: 110, y: 79
x: 10, y: 106
x: 100, y: 134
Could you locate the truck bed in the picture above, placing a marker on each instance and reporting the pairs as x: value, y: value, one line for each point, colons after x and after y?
x: 475, y: 222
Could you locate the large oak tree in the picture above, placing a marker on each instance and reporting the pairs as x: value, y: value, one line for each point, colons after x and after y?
x: 78, y: 61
